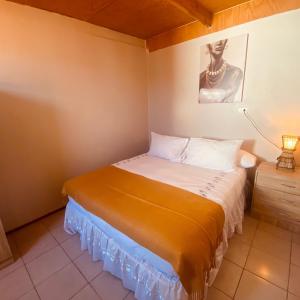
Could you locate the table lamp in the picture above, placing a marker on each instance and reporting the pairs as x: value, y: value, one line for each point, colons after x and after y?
x: 286, y: 160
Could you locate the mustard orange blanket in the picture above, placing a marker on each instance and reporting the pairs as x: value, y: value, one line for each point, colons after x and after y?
x: 179, y: 226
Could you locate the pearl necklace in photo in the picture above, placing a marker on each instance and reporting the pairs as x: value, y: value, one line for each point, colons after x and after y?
x: 214, y: 77
x: 215, y: 73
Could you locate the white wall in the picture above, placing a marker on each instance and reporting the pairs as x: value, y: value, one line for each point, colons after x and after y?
x: 72, y: 98
x: 271, y: 90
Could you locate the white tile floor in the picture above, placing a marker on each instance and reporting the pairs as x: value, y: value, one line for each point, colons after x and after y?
x: 261, y: 264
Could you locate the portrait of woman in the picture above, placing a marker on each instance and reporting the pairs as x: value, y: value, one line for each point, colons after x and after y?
x: 221, y: 81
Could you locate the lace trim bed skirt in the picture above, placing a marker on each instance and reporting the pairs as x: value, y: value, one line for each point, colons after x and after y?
x: 144, y: 280
x: 137, y: 275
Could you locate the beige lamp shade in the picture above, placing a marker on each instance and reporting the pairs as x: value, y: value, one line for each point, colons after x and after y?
x: 286, y: 160
x: 290, y: 142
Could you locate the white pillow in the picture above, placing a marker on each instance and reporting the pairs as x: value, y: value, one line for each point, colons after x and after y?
x: 246, y: 159
x: 167, y: 147
x: 212, y: 154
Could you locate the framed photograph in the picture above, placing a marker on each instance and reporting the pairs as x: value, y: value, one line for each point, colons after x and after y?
x: 222, y: 69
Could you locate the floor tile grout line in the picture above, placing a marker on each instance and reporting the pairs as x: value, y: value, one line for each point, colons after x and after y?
x: 255, y: 273
x: 42, y: 281
x: 34, y: 287
x: 38, y: 256
x: 73, y: 262
x: 293, y: 294
x: 70, y: 262
x: 243, y: 269
x: 88, y: 281
x: 266, y: 280
x: 294, y: 240
x: 92, y: 279
x: 21, y: 255
x: 293, y: 263
x: 25, y: 264
x: 276, y: 236
x: 221, y: 291
x: 68, y: 255
x: 10, y: 272
x: 273, y: 256
x: 94, y: 288
x: 60, y: 242
x: 127, y: 294
x: 62, y: 267
x: 290, y: 264
x: 74, y: 295
x: 44, y: 252
x: 56, y: 227
x: 225, y: 258
x: 72, y: 259
x: 252, y: 247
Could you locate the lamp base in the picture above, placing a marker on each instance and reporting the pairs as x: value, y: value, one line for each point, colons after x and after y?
x: 286, y: 160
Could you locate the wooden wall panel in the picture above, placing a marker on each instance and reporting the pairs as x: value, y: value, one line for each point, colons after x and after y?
x: 237, y: 15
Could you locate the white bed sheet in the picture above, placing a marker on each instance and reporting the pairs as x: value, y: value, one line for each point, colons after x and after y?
x: 220, y: 187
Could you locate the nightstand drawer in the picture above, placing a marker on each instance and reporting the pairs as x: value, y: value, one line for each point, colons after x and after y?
x: 275, y: 202
x: 279, y: 184
x: 276, y: 196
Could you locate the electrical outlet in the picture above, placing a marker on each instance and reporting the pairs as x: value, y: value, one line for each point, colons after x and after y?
x: 242, y: 109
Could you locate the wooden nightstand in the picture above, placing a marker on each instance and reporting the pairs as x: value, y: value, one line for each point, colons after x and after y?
x: 5, y: 254
x: 276, y: 196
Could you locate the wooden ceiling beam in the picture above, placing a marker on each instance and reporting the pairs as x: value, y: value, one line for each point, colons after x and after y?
x: 194, y: 9
x: 243, y: 13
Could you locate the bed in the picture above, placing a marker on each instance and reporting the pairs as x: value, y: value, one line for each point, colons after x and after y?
x: 142, y: 271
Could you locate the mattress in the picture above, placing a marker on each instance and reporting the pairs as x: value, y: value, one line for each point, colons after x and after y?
x: 224, y: 188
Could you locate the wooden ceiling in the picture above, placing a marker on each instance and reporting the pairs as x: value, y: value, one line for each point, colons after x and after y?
x: 140, y: 18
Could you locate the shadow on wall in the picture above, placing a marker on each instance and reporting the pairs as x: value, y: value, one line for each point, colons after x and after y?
x: 31, y: 165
